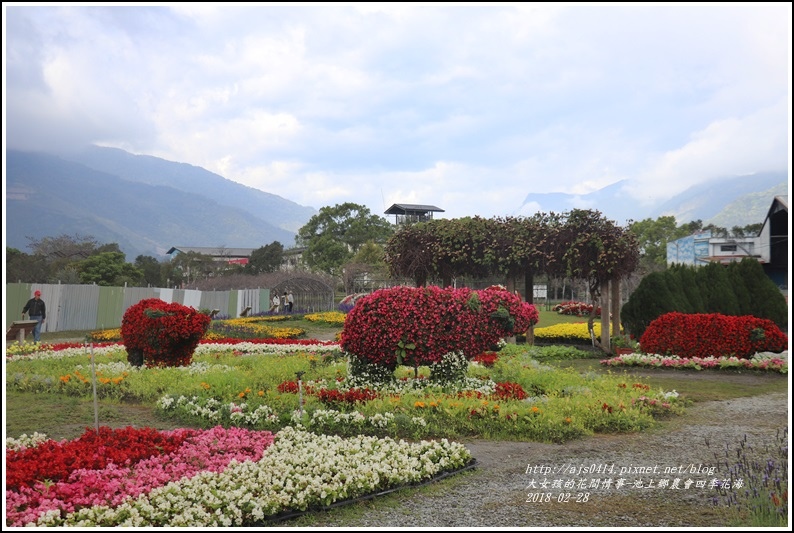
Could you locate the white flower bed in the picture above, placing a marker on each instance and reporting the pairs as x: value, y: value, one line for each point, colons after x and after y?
x: 300, y: 471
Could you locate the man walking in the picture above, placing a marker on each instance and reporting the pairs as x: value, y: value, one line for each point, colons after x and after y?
x: 37, y: 311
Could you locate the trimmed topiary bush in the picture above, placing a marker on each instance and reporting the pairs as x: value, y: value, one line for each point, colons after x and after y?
x: 736, y: 289
x: 704, y: 335
x: 159, y: 334
x: 417, y: 326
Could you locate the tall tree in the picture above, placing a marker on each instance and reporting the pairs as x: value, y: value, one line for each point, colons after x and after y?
x: 150, y: 267
x: 109, y: 269
x: 653, y: 236
x: 267, y: 258
x: 71, y: 247
x: 336, y: 233
x: 22, y: 267
x: 64, y: 251
x: 193, y: 266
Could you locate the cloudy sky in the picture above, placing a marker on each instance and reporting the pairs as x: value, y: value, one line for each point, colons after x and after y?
x: 466, y: 107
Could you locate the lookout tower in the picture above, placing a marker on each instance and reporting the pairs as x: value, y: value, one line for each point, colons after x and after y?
x: 411, y: 213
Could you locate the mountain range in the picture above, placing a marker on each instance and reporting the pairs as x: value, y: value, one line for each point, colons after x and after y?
x: 725, y: 202
x: 143, y: 203
x: 147, y: 204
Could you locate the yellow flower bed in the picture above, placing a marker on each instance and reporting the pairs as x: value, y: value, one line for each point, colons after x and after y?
x: 106, y: 335
x: 577, y: 331
x: 335, y: 318
x: 25, y: 348
x: 255, y: 327
x: 281, y: 333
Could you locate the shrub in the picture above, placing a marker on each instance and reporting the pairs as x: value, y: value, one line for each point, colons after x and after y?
x: 361, y: 370
x: 703, y: 335
x: 737, y: 289
x: 650, y: 300
x: 161, y: 334
x: 452, y: 368
x: 417, y: 326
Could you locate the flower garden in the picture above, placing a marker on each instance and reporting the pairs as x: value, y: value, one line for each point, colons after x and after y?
x: 280, y: 425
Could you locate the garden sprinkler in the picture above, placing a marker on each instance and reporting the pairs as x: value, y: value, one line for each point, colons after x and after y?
x: 300, y: 392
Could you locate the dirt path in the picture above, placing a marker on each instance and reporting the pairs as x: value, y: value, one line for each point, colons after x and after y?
x: 505, y: 490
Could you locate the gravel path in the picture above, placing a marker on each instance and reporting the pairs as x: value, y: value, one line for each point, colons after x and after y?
x: 496, y: 493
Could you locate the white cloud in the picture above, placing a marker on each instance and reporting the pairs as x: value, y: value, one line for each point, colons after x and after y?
x: 726, y: 147
x: 471, y: 106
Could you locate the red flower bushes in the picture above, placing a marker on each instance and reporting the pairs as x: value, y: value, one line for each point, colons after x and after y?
x: 417, y: 326
x: 341, y: 400
x: 487, y: 359
x: 705, y: 335
x: 161, y: 334
x: 576, y: 309
x: 55, y: 460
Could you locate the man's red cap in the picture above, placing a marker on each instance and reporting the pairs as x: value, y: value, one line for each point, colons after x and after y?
x: 37, y: 293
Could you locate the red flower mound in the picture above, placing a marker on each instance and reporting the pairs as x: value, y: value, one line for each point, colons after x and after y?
x: 704, y: 335
x: 339, y: 399
x: 487, y: 359
x: 417, y: 326
x: 55, y: 460
x: 162, y: 334
x: 509, y: 391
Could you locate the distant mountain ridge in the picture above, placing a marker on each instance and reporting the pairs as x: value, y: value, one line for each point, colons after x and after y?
x: 147, y: 204
x: 725, y: 202
x: 49, y: 195
x: 272, y: 208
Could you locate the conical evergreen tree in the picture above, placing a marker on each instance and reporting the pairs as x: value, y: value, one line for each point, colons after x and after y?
x: 743, y: 295
x: 688, y: 276
x: 680, y: 301
x: 766, y: 300
x: 716, y: 290
x: 649, y: 300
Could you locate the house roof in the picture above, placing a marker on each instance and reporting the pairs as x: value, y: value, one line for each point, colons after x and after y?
x: 403, y: 209
x: 780, y: 203
x: 213, y: 251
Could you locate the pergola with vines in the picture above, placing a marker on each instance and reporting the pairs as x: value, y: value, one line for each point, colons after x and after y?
x: 580, y: 244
